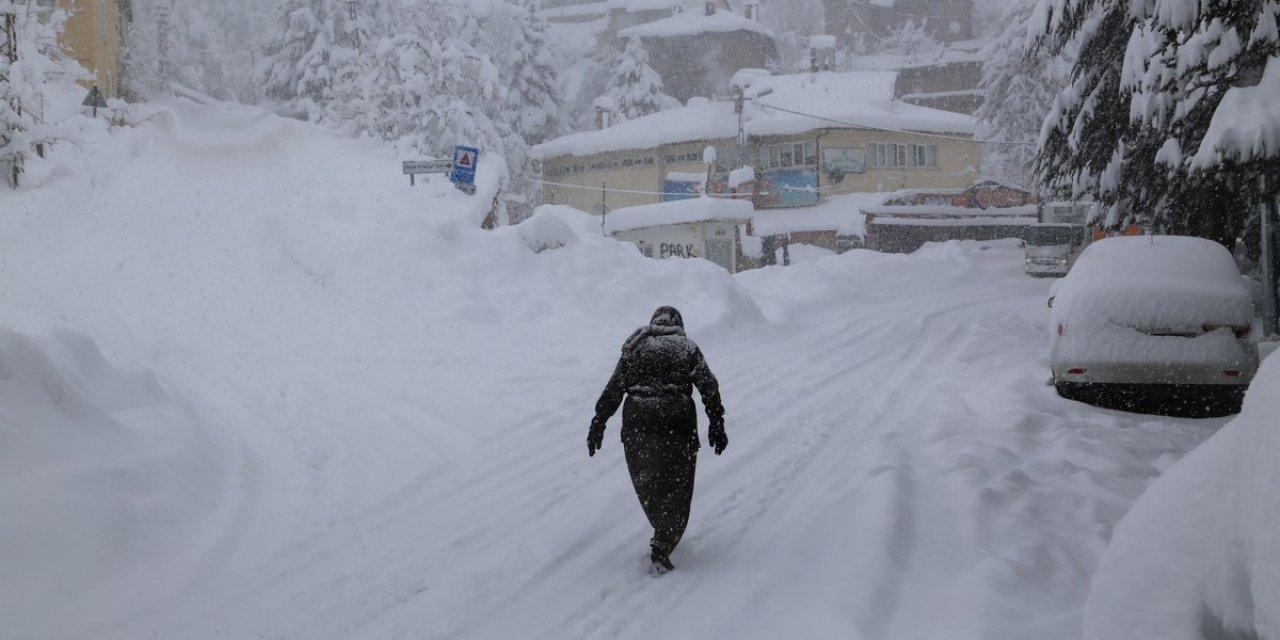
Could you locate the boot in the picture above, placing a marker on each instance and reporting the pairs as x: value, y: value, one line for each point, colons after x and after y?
x: 660, y: 559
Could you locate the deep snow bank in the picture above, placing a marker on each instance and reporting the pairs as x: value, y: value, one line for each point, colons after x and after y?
x: 1198, y: 555
x: 103, y: 474
x: 528, y: 278
x: 331, y: 326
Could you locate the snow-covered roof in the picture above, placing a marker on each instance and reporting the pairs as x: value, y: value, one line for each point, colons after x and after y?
x: 822, y: 42
x: 576, y: 10
x: 907, y: 196
x: 855, y: 99
x: 972, y: 221
x: 947, y: 56
x: 840, y: 213
x: 947, y: 211
x: 678, y: 212
x: 953, y: 53
x: 691, y: 24
x: 651, y: 5
x: 604, y: 6
x: 1246, y: 125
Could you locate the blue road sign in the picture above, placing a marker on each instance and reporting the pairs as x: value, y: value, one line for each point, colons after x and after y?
x: 464, y: 165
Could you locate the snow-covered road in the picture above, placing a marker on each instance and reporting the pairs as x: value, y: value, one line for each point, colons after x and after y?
x: 369, y: 420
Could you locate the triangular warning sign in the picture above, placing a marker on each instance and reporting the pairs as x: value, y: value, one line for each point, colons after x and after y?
x: 465, y: 160
x: 95, y: 99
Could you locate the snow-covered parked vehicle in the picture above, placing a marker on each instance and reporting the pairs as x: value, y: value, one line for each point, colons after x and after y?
x: 1159, y: 324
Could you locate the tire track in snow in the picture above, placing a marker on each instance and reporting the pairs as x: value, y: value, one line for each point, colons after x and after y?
x: 805, y: 463
x: 832, y: 485
x: 880, y: 497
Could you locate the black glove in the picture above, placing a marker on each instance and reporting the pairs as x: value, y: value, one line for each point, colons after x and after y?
x: 595, y: 437
x: 717, y: 438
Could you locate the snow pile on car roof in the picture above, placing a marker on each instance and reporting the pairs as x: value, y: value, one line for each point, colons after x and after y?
x: 1200, y: 545
x: 1123, y: 290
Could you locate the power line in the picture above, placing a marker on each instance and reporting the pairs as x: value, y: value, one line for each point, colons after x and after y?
x: 685, y: 194
x: 888, y: 129
x: 629, y: 191
x: 893, y: 11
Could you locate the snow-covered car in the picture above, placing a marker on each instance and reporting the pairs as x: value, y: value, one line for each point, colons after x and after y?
x: 1160, y: 324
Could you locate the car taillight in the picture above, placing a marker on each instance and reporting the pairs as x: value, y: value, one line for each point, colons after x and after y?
x: 1231, y: 374
x: 1061, y: 329
x: 1076, y: 372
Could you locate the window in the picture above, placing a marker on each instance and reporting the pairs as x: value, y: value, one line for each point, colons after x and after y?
x: 789, y: 154
x: 890, y: 154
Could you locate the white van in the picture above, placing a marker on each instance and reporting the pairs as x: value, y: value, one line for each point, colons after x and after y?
x: 1052, y: 247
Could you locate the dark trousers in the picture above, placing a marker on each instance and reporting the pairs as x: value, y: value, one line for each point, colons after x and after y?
x: 660, y: 440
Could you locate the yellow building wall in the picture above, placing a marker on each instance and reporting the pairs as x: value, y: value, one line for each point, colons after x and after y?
x: 686, y: 157
x: 92, y: 37
x: 577, y: 181
x: 633, y: 177
x: 645, y: 170
x: 959, y: 161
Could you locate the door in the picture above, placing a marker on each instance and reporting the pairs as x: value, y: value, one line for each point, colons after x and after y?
x: 721, y: 253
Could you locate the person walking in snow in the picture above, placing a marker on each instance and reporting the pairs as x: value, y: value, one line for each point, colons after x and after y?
x: 658, y: 368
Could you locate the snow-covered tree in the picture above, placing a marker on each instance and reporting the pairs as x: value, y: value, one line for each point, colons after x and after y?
x: 1020, y: 80
x: 528, y: 65
x: 174, y: 43
x: 634, y: 85
x: 240, y: 32
x: 912, y: 40
x: 296, y: 73
x: 432, y: 86
x: 1149, y: 78
x: 794, y: 22
x: 358, y: 27
x: 29, y: 58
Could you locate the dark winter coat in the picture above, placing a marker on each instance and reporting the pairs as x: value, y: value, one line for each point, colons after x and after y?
x: 657, y: 371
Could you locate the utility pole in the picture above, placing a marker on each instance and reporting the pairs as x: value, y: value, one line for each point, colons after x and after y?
x: 9, y: 52
x: 162, y: 44
x: 739, y: 107
x: 604, y: 207
x: 1270, y: 202
x: 355, y: 28
x: 739, y: 98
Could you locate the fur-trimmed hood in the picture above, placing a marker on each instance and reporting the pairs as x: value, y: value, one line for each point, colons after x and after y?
x: 666, y: 321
